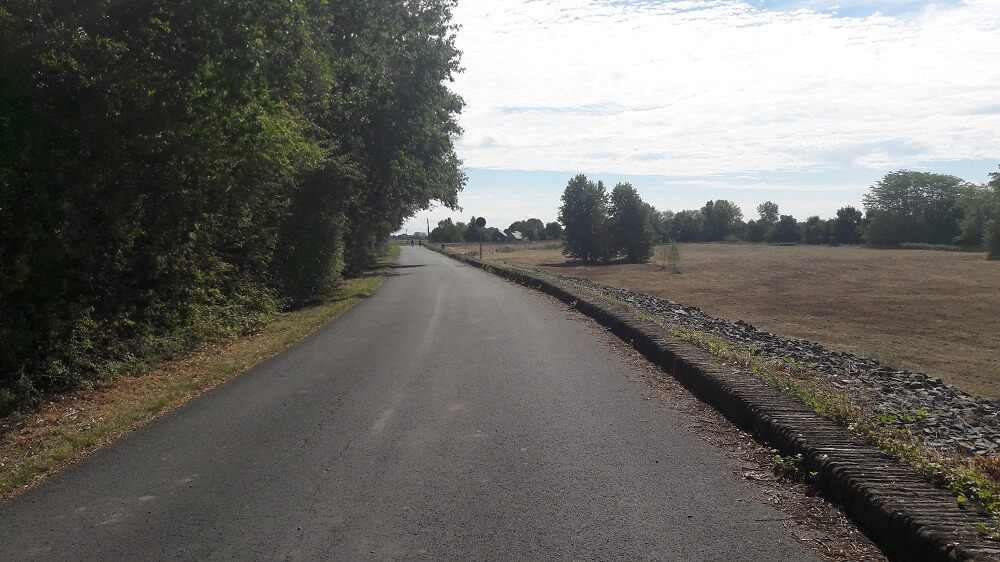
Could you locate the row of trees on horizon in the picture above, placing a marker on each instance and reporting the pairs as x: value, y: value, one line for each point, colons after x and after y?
x: 174, y: 171
x: 904, y: 208
x: 448, y: 231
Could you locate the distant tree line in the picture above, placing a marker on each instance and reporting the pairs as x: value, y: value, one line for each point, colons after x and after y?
x: 904, y: 208
x: 448, y: 231
x: 173, y: 171
x: 722, y: 220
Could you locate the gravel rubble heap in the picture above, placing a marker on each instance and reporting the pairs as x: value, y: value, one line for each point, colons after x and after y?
x: 944, y: 417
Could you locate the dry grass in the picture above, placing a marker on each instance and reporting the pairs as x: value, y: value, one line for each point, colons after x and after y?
x: 71, y: 426
x: 934, y: 312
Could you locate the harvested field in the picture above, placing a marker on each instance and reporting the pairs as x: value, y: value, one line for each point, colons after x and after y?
x: 933, y: 312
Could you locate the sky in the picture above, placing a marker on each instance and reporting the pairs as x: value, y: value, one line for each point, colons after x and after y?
x: 803, y: 103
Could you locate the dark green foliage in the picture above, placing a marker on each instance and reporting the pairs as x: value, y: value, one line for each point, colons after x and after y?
x: 815, y: 231
x: 907, y: 206
x: 768, y: 212
x: 992, y: 240
x: 933, y: 247
x: 980, y: 226
x: 493, y: 234
x: 584, y: 213
x: 785, y: 230
x: 472, y: 232
x: 754, y: 231
x: 174, y: 171
x: 975, y: 202
x: 629, y: 221
x: 447, y: 232
x: 599, y: 226
x: 531, y: 229
x: 888, y: 229
x: 686, y: 226
x: 721, y: 219
x: 991, y: 229
x: 661, y: 222
x: 553, y: 231
x: 905, y: 209
x: 847, y: 227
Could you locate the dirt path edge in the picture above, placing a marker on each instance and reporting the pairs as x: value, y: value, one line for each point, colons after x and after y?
x: 904, y: 514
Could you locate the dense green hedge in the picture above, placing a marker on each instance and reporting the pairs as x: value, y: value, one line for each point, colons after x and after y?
x: 173, y: 171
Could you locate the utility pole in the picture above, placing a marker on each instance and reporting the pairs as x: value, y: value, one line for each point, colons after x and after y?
x: 428, y: 231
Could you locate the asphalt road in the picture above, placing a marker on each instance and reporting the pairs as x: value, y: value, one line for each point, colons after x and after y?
x: 452, y: 415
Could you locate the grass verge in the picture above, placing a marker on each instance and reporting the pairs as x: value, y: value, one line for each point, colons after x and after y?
x: 71, y: 426
x: 975, y: 479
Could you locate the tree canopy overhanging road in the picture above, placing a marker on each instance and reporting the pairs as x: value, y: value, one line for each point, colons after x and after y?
x: 450, y: 416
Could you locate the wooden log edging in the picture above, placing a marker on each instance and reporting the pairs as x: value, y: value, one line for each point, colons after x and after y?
x: 905, y: 515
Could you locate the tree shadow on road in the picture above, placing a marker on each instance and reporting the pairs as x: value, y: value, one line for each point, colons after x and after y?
x: 394, y: 273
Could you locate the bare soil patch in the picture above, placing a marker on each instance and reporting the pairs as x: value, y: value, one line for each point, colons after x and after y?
x: 933, y: 312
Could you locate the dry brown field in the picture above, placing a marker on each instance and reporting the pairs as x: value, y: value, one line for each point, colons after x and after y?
x: 933, y: 312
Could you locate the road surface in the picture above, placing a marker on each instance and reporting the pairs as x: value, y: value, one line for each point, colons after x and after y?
x: 452, y: 415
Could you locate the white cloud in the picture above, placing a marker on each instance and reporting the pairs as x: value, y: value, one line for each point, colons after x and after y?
x: 702, y: 88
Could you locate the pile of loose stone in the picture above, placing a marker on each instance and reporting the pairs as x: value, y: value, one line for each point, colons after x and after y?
x: 945, y: 418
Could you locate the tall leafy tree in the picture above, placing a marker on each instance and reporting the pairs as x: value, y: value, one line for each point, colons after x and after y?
x: 397, y: 113
x: 754, y: 231
x: 447, y: 231
x: 472, y: 232
x: 991, y: 229
x: 686, y: 226
x: 785, y: 230
x: 722, y: 218
x: 815, y: 231
x: 847, y: 226
x: 629, y: 218
x: 661, y: 224
x: 768, y: 211
x: 908, y: 206
x: 174, y: 170
x: 584, y: 213
x: 977, y: 204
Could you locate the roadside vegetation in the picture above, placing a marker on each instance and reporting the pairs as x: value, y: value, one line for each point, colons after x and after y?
x: 69, y: 426
x: 179, y: 172
x: 975, y: 479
